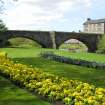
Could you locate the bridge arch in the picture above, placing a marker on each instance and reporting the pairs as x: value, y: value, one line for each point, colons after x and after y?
x: 42, y: 38
x: 80, y: 40
x: 16, y: 36
x: 74, y: 45
x: 22, y: 42
x: 90, y: 40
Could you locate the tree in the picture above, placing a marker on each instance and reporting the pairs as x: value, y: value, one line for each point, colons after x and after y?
x: 101, y: 45
x: 2, y: 26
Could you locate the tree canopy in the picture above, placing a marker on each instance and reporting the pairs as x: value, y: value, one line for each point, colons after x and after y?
x: 101, y: 45
x: 2, y: 26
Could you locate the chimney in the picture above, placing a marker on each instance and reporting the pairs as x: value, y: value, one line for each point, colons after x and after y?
x: 88, y: 19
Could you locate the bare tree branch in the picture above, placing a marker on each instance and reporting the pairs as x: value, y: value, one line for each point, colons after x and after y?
x: 2, y: 5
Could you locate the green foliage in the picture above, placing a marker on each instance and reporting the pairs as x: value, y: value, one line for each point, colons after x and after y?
x: 22, y: 42
x: 101, y: 45
x: 74, y: 47
x: 2, y: 26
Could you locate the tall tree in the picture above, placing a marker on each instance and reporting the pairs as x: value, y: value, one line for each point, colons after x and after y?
x: 2, y: 26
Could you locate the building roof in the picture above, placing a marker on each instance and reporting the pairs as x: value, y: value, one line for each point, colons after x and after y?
x: 94, y: 21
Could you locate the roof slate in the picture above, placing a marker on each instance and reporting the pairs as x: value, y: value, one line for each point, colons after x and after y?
x: 95, y: 21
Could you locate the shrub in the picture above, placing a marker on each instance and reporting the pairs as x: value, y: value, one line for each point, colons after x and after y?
x: 79, y: 62
x: 3, y: 54
x: 101, y: 45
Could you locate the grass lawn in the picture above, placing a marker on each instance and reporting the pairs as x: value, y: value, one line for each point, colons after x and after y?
x: 33, y: 52
x: 92, y: 76
x: 85, y: 56
x: 30, y: 57
x: 12, y: 95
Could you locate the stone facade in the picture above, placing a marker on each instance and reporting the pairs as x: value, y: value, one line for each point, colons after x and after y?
x: 94, y: 26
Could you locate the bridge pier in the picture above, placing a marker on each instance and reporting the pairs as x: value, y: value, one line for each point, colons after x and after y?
x: 3, y: 43
x: 52, y: 35
x: 92, y: 50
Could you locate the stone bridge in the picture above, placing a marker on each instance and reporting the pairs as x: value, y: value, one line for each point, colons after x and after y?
x: 52, y: 39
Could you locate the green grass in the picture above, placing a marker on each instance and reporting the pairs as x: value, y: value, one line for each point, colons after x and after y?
x: 30, y: 57
x: 33, y: 52
x: 12, y: 95
x: 84, y: 56
x: 22, y: 52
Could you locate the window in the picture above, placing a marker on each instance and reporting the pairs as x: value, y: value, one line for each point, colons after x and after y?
x: 99, y: 24
x: 99, y: 29
x: 86, y: 25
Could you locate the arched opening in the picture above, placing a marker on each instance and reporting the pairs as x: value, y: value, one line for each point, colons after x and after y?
x: 22, y: 42
x: 74, y: 45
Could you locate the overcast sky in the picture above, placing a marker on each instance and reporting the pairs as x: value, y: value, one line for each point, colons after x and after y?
x: 54, y: 15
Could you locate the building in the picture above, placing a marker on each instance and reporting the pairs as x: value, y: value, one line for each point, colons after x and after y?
x: 94, y: 26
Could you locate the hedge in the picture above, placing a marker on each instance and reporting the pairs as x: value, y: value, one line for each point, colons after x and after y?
x: 79, y: 62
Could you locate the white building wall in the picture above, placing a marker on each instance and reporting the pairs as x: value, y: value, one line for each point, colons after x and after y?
x: 94, y: 28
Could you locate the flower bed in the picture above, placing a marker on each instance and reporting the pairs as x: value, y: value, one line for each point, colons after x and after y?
x: 3, y: 54
x: 89, y: 64
x: 70, y: 92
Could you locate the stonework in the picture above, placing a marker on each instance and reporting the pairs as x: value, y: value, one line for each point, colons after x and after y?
x: 52, y: 39
x: 94, y: 26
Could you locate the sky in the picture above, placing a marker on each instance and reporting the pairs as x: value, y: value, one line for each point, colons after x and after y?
x: 51, y: 15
